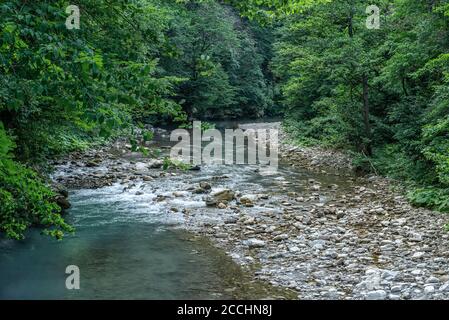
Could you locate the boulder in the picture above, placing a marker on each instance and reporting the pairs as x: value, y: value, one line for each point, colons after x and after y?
x: 205, y: 185
x: 155, y: 164
x: 247, y: 201
x: 223, y: 195
x: 62, y: 202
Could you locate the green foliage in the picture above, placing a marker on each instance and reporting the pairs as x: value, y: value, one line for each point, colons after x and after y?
x: 380, y: 93
x: 204, y: 126
x: 91, y: 81
x: 266, y: 10
x: 217, y: 54
x: 175, y: 164
x: 25, y: 199
x: 322, y: 58
x: 130, y: 62
x: 434, y: 198
x: 63, y: 90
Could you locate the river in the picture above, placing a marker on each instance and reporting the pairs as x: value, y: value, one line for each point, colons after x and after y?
x: 129, y: 245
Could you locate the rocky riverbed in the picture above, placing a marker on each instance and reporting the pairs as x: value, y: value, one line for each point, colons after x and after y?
x: 311, y: 226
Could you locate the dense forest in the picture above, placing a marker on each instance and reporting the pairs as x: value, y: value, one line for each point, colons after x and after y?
x: 380, y: 93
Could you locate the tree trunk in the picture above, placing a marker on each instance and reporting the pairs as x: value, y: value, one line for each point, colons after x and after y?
x: 351, y: 21
x: 366, y: 112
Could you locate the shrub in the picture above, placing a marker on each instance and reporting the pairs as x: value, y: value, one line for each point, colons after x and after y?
x: 25, y: 200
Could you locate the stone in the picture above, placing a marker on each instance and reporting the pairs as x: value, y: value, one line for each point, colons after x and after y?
x: 223, y: 195
x: 389, y: 275
x: 414, y: 236
x: 254, y: 243
x: 433, y: 280
x: 231, y: 220
x: 92, y: 163
x: 140, y: 166
x: 155, y: 164
x: 205, y: 185
x: 62, y: 202
x: 294, y: 249
x: 376, y: 295
x: 62, y: 190
x: 418, y: 255
x: 341, y: 214
x: 318, y: 244
x: 221, y: 205
x: 211, y: 202
x: 199, y: 191
x: 444, y: 287
x: 280, y: 237
x: 396, y: 288
x: 178, y: 194
x: 429, y: 289
x: 330, y: 253
x: 221, y: 235
x: 306, y: 220
x: 416, y: 272
x: 247, y: 201
x: 378, y: 211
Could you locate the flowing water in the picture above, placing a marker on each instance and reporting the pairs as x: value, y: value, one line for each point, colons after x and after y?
x: 128, y: 245
x: 125, y: 248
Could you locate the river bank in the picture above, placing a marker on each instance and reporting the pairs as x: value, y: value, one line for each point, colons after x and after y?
x: 311, y: 226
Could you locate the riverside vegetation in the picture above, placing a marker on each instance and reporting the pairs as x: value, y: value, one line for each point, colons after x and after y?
x: 381, y: 94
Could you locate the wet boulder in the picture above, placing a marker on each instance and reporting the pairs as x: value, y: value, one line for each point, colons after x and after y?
x: 248, y: 200
x: 223, y: 195
x: 62, y: 202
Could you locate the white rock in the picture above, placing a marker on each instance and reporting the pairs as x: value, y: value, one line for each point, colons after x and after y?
x: 280, y: 237
x: 376, y: 295
x: 294, y: 249
x: 444, y: 287
x: 389, y: 275
x: 396, y: 289
x: 416, y: 272
x: 433, y: 280
x: 414, y: 236
x: 254, y: 243
x: 372, y: 280
x: 141, y: 166
x: 429, y: 289
x: 418, y: 255
x: 318, y: 244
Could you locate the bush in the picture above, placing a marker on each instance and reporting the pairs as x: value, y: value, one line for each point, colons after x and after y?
x: 433, y: 198
x: 24, y: 199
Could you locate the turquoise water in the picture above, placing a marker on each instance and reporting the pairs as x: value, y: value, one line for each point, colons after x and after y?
x: 119, y: 253
x: 128, y: 245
